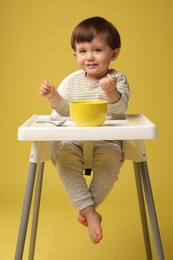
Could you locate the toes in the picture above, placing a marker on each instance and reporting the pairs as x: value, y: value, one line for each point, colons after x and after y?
x: 96, y: 238
x: 82, y: 220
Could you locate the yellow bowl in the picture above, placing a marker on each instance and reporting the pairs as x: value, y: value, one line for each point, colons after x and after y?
x: 89, y: 112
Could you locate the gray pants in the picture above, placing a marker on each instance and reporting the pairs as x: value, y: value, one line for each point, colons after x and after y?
x: 107, y: 160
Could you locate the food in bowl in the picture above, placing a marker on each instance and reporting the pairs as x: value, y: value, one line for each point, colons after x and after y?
x: 89, y: 112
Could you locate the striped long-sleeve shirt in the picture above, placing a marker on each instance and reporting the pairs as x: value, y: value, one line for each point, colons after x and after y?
x: 78, y: 87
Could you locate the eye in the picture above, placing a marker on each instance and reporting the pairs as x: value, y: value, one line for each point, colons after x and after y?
x: 97, y: 50
x: 82, y: 51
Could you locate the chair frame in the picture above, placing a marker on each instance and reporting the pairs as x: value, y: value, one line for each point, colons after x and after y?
x: 134, y: 151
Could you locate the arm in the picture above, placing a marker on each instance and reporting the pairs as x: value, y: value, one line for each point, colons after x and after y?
x: 49, y: 91
x: 108, y: 84
x: 117, y: 93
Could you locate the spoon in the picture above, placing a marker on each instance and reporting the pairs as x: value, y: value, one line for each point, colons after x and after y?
x: 56, y: 123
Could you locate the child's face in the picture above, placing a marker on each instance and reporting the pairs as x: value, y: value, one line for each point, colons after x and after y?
x: 95, y: 57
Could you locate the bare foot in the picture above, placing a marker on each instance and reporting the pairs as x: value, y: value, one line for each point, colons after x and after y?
x: 91, y: 218
x: 82, y: 220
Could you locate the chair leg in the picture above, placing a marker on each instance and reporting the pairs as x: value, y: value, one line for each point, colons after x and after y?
x: 36, y: 211
x: 142, y: 210
x: 151, y: 210
x: 25, y: 212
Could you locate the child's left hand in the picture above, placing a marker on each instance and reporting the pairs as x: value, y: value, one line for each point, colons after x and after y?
x: 108, y: 84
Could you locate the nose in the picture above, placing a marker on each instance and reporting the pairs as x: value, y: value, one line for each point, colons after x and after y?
x: 90, y: 56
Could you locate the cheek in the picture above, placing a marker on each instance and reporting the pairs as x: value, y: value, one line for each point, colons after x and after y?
x: 80, y: 60
x: 109, y: 58
x: 106, y: 61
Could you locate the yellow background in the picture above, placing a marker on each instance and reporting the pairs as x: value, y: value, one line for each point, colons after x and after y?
x: 35, y: 45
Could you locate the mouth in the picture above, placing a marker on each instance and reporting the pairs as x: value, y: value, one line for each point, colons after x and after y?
x: 91, y: 65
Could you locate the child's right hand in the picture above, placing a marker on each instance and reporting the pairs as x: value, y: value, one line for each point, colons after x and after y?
x: 47, y: 90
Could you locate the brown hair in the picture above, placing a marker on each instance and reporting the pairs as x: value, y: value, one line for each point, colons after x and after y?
x: 89, y: 28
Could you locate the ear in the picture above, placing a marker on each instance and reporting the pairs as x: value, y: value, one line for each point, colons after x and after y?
x: 115, y: 53
x: 74, y: 54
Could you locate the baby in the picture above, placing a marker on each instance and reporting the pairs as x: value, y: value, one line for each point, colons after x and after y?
x: 96, y: 42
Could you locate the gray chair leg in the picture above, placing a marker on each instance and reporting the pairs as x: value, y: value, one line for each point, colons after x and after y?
x: 36, y: 210
x: 25, y: 212
x: 142, y: 210
x: 151, y: 210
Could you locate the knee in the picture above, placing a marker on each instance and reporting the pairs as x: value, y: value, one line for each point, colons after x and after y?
x: 67, y: 155
x: 108, y: 160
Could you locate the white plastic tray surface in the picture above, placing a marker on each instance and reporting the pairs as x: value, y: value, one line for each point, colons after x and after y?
x: 134, y: 127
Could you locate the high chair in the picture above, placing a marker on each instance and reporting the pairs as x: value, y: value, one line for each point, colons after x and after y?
x: 134, y: 131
